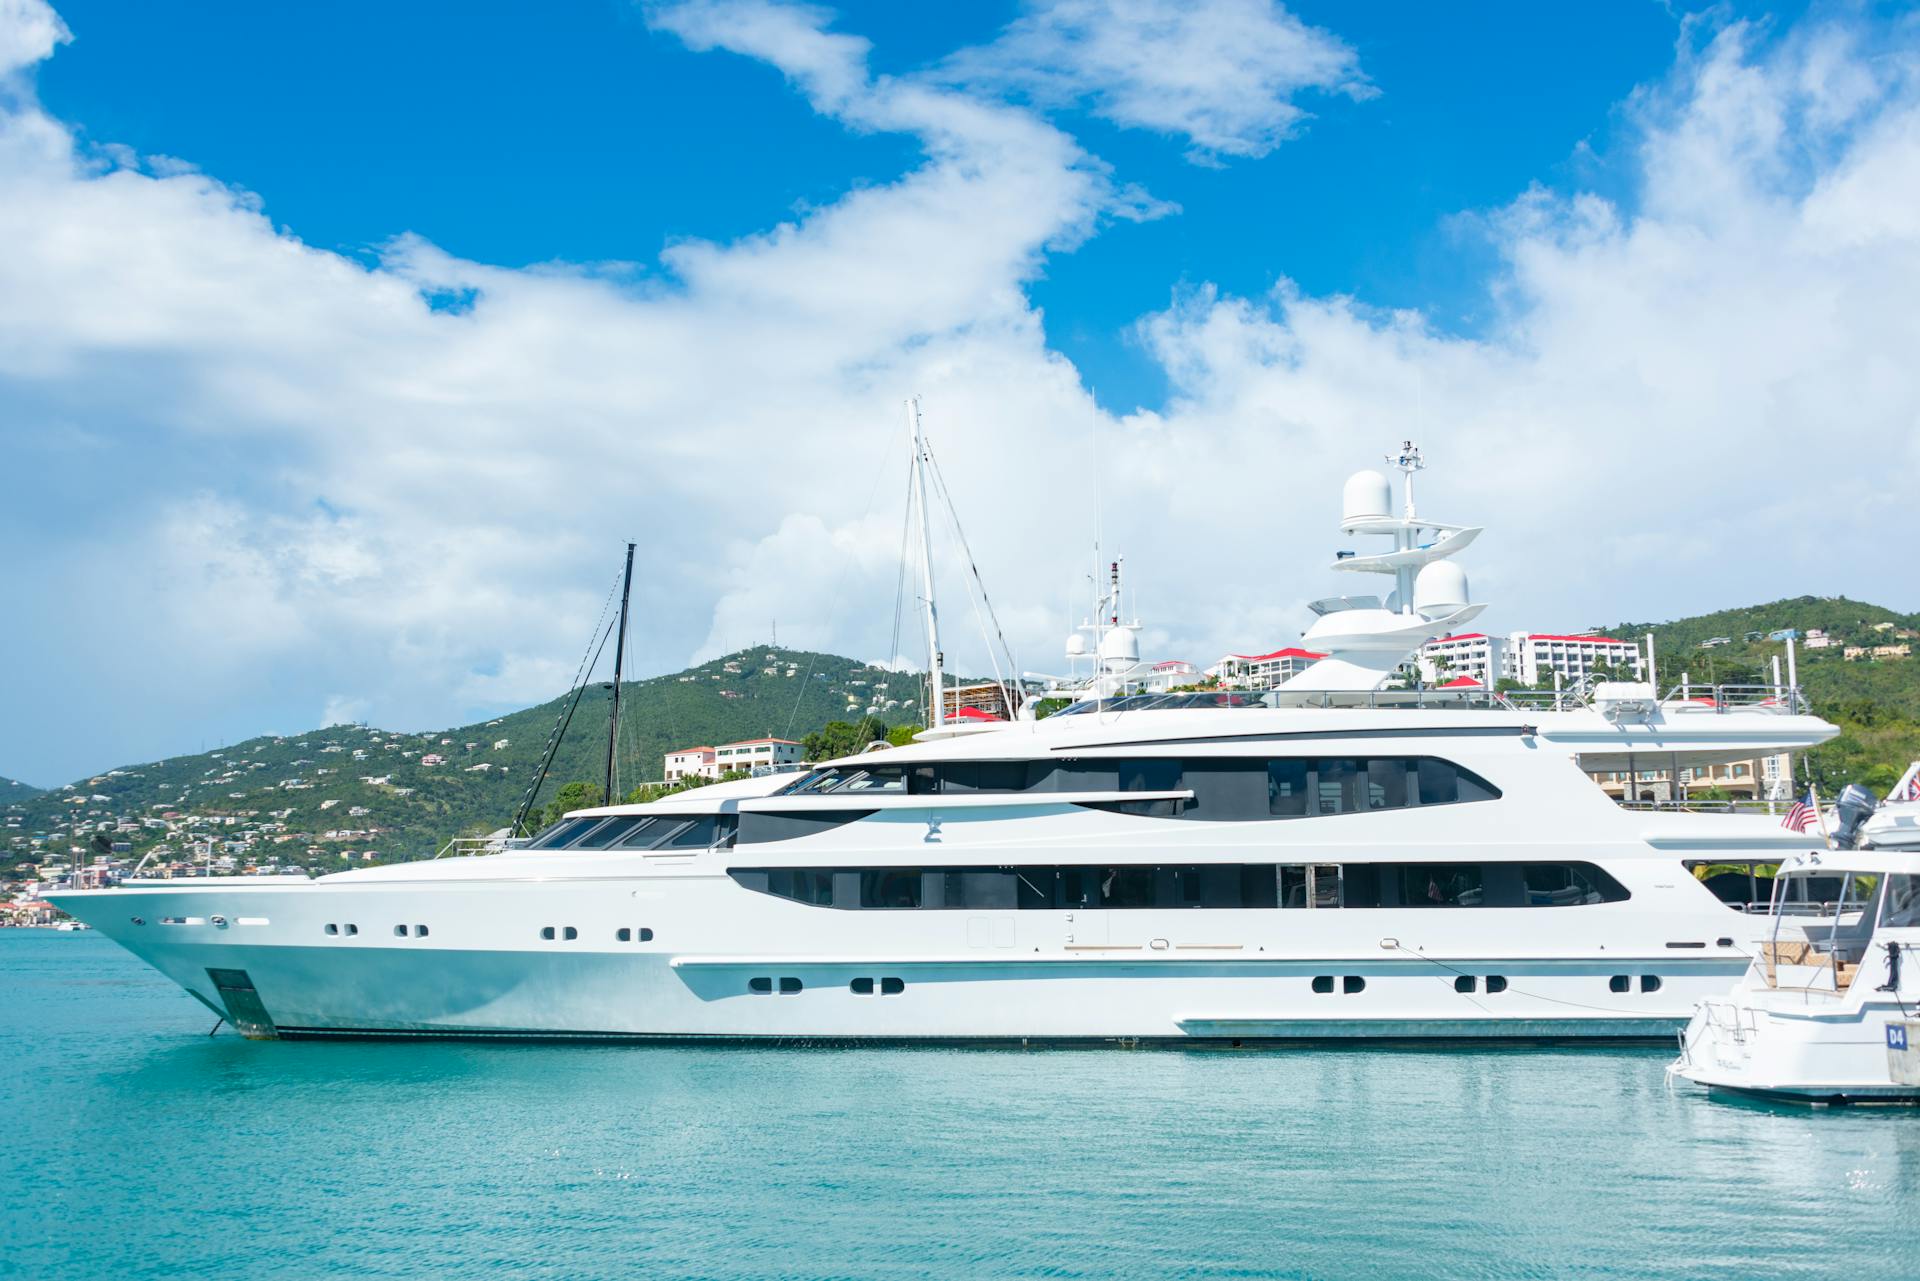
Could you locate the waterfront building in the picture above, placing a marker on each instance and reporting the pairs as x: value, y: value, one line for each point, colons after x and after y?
x: 1262, y: 671
x: 1531, y: 658
x: 716, y: 762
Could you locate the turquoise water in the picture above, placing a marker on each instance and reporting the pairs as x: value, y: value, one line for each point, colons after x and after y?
x: 136, y: 1146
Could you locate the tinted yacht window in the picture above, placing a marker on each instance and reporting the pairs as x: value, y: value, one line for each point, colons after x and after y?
x: 1294, y: 886
x: 608, y: 833
x: 564, y: 832
x: 1287, y: 787
x: 1440, y: 885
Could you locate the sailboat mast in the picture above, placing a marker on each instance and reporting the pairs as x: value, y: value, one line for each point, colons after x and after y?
x: 936, y: 683
x: 619, y: 660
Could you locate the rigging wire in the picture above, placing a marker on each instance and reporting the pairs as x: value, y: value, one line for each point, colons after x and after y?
x: 559, y: 733
x: 587, y: 661
x: 953, y: 518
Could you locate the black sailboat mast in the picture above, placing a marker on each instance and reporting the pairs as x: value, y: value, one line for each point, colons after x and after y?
x: 619, y: 658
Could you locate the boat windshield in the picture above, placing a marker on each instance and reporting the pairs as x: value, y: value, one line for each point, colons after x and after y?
x: 850, y: 778
x: 637, y: 832
x: 1902, y: 907
x: 1208, y: 699
x: 1168, y: 702
x: 1824, y: 894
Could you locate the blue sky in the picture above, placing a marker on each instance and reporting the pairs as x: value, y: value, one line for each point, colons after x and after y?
x: 702, y: 250
x: 584, y: 136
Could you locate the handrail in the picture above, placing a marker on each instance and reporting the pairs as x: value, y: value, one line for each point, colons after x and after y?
x: 1735, y: 805
x: 478, y: 846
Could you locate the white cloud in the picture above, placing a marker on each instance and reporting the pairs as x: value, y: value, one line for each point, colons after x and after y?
x: 1223, y: 75
x: 283, y: 475
x: 29, y: 31
x: 1704, y: 402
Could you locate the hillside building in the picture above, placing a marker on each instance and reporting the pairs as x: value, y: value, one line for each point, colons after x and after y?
x: 716, y: 762
x: 690, y: 762
x: 988, y: 698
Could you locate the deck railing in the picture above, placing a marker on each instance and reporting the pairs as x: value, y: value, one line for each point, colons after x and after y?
x: 1737, y: 805
x: 476, y: 846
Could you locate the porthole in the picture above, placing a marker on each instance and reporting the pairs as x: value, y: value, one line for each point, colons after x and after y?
x: 1649, y: 982
x: 352, y: 930
x: 138, y: 920
x: 1496, y: 983
x: 419, y: 931
x: 892, y: 987
x: 788, y: 986
x: 760, y: 987
x: 399, y: 931
x: 1620, y: 983
x: 861, y: 987
x: 332, y: 929
x: 1353, y: 983
x: 569, y: 933
x: 546, y: 932
x: 646, y: 935
x: 1466, y: 983
x: 1323, y: 983
x: 623, y: 934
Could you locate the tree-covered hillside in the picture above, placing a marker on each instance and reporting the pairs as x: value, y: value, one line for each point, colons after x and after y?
x: 14, y: 790
x: 1875, y: 701
x: 356, y: 788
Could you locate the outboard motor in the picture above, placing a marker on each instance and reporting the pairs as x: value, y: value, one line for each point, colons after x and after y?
x: 1855, y: 806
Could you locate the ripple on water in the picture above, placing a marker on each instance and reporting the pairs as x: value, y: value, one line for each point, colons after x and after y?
x: 142, y: 1148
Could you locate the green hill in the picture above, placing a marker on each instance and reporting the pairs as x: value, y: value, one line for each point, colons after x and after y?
x: 347, y: 779
x: 13, y: 790
x: 1875, y: 701
x: 349, y: 789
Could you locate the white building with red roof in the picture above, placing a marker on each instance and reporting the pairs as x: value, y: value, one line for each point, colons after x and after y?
x: 1262, y: 671
x: 1528, y: 657
x: 690, y: 762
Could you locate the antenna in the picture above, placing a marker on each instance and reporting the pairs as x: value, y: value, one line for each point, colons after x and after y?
x: 1408, y: 460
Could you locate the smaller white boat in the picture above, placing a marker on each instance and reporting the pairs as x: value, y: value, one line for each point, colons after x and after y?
x: 1829, y: 1009
x: 1896, y: 823
x: 71, y: 926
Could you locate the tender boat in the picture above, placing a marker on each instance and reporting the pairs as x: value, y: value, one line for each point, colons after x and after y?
x: 1896, y: 823
x: 1829, y: 1009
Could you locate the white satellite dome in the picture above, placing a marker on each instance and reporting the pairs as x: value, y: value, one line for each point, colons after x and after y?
x: 1367, y: 496
x: 1076, y: 645
x: 1120, y: 645
x: 1440, y: 588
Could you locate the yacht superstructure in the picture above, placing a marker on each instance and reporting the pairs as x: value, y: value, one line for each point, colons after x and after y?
x: 1330, y: 859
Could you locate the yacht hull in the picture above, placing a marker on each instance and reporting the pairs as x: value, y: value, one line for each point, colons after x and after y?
x: 264, y: 958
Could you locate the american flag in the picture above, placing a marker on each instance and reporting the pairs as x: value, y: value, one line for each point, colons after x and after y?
x: 1913, y: 789
x: 1802, y: 815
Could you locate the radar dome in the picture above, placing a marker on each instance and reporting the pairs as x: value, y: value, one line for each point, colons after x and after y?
x: 1076, y: 645
x: 1366, y: 497
x: 1120, y: 645
x: 1440, y: 588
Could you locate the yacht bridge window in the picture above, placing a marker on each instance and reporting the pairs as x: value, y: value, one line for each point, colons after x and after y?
x: 639, y: 832
x: 1225, y: 789
x: 1749, y: 887
x: 1294, y: 886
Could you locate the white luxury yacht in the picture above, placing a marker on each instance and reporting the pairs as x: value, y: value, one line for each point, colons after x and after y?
x: 1327, y: 859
